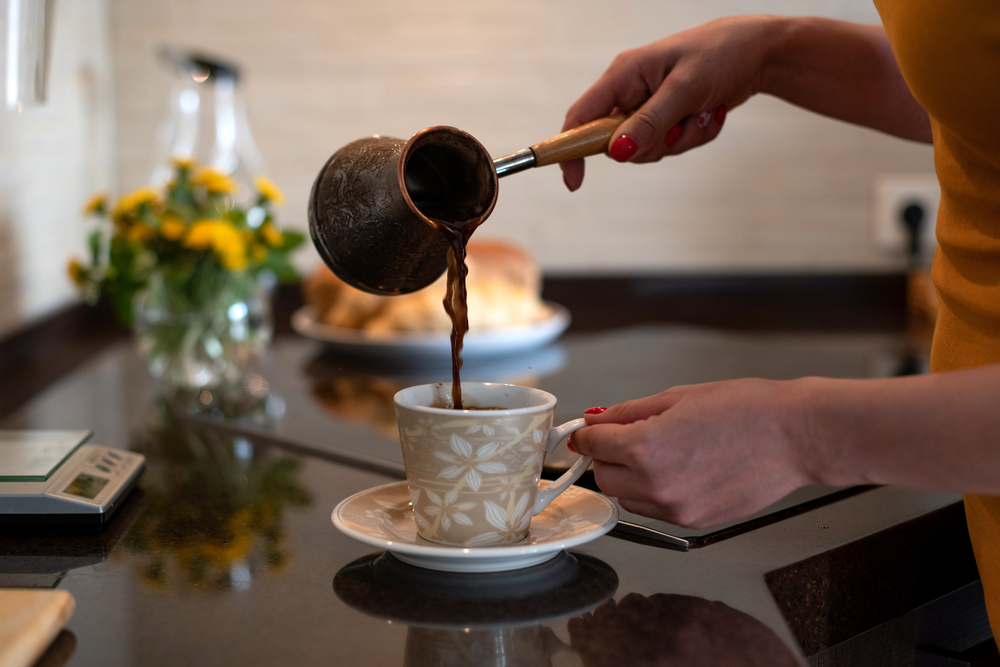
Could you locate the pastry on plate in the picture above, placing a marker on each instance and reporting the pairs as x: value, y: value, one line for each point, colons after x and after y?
x: 503, y: 284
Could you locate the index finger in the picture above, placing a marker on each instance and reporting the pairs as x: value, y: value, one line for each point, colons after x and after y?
x: 626, y: 84
x: 604, y: 442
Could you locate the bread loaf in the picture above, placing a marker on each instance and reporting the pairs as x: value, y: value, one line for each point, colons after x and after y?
x: 504, y: 286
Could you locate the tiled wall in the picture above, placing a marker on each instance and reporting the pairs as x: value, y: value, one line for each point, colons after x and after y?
x: 52, y: 158
x: 780, y: 190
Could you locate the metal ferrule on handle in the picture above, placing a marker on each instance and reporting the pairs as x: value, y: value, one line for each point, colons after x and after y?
x: 589, y: 139
x: 515, y: 162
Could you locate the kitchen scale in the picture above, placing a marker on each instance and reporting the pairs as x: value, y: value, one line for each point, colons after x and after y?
x: 53, y: 477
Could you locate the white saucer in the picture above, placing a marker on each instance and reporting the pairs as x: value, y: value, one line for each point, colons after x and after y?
x: 383, y: 517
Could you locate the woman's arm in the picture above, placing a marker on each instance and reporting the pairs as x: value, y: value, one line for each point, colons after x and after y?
x: 938, y: 431
x: 839, y: 69
x: 699, y: 455
x: 846, y: 71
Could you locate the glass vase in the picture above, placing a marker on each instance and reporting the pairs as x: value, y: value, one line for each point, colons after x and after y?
x: 200, y: 336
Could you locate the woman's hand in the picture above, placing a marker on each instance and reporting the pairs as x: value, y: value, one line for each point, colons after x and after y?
x: 681, y: 88
x: 700, y: 455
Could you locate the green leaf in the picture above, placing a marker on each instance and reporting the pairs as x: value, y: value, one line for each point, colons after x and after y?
x: 283, y: 269
x: 291, y: 240
x: 94, y: 243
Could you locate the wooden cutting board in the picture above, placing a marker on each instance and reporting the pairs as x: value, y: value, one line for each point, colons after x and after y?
x: 29, y: 621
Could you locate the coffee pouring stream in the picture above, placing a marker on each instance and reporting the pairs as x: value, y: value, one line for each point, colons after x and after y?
x: 378, y: 205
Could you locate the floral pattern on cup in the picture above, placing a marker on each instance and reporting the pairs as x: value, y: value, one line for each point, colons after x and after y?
x: 473, y: 470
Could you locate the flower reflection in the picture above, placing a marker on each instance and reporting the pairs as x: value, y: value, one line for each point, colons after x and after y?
x: 215, y: 507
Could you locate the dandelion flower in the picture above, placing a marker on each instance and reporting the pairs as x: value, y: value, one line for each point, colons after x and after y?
x: 172, y: 228
x: 131, y: 202
x: 213, y: 181
x: 271, y: 235
x: 223, y: 238
x: 183, y: 163
x: 200, y: 234
x: 96, y: 205
x: 269, y: 191
x: 76, y: 271
x: 139, y: 233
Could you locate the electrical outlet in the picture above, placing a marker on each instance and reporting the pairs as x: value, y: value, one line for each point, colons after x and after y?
x: 893, y: 193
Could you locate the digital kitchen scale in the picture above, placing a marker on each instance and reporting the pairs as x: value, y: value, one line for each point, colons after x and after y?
x: 52, y: 477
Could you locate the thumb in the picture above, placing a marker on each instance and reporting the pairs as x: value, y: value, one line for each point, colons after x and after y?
x: 632, y: 410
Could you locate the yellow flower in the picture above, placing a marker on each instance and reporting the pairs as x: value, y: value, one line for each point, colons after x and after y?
x: 271, y: 235
x: 172, y: 228
x: 258, y: 252
x: 185, y: 163
x: 269, y: 191
x: 201, y: 233
x: 76, y: 271
x: 97, y: 204
x: 225, y: 240
x: 213, y: 181
x: 132, y: 201
x: 139, y: 233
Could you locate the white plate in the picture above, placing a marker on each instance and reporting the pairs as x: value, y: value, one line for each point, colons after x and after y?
x: 434, y: 346
x: 383, y: 517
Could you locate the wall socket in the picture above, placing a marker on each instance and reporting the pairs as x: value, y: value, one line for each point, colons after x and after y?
x: 892, y: 194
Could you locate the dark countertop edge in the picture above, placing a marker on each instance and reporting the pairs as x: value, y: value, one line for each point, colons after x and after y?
x: 844, y: 591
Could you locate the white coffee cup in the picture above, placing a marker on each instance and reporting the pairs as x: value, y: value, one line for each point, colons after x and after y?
x: 473, y: 474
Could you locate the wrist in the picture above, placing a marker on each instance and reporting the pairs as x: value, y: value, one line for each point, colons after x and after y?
x: 780, y: 37
x: 828, y: 425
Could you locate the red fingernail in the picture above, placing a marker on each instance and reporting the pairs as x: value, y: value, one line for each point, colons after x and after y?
x: 672, y: 136
x: 623, y: 148
x: 569, y: 446
x: 594, y: 411
x: 720, y: 115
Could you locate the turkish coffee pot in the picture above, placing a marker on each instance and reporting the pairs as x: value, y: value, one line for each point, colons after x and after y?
x: 375, y: 207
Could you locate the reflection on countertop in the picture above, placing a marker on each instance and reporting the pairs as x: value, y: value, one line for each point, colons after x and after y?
x: 216, y: 507
x: 230, y: 558
x: 489, y: 619
x: 668, y: 629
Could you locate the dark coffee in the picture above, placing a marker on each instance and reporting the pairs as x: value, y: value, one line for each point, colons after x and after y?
x: 456, y: 299
x: 443, y: 187
x: 442, y: 404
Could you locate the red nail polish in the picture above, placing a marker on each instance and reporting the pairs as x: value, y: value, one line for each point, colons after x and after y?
x: 569, y: 446
x: 672, y: 136
x: 594, y: 411
x: 720, y: 115
x: 623, y: 148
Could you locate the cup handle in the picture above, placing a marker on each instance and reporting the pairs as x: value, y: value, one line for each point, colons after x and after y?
x: 556, y: 435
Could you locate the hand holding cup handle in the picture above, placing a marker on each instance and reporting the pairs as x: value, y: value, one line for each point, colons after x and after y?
x: 556, y: 435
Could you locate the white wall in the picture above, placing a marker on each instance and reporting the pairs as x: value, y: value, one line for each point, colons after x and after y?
x: 781, y: 189
x: 52, y: 158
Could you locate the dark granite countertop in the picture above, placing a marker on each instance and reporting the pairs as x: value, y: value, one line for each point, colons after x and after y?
x: 226, y: 553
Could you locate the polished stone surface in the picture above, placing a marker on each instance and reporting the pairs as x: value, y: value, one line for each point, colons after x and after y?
x: 227, y: 555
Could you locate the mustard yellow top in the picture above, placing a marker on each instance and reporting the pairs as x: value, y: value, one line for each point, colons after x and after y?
x: 949, y: 54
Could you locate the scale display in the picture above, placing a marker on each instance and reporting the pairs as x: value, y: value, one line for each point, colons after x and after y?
x: 52, y: 477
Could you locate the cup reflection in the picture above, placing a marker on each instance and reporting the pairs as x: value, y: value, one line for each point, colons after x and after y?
x: 483, y: 619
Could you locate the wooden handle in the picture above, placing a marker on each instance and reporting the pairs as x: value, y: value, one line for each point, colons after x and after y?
x: 589, y: 139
